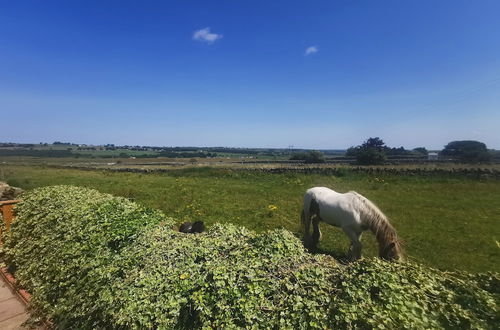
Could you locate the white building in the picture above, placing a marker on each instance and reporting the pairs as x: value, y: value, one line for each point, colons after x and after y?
x: 432, y: 156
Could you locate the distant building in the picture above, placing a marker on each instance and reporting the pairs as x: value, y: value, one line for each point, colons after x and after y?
x: 432, y: 156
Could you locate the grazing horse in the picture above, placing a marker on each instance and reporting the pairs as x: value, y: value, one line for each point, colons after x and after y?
x: 354, y: 214
x: 189, y: 227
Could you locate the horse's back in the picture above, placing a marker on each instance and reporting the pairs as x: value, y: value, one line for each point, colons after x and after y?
x: 325, y: 195
x: 335, y: 208
x: 321, y: 192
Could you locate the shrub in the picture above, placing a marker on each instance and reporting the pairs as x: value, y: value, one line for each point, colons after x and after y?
x: 310, y: 157
x: 227, y: 277
x: 375, y: 293
x: 95, y: 261
x: 371, y: 152
x: 64, y: 244
x: 467, y: 151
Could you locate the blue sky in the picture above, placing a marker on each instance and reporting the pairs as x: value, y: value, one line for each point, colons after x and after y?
x: 313, y: 74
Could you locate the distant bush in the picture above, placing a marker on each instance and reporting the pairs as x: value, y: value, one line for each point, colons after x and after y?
x: 372, y: 152
x: 95, y: 261
x: 310, y: 157
x: 467, y: 151
x: 421, y: 151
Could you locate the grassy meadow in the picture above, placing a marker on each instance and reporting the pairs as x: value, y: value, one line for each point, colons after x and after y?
x: 448, y: 222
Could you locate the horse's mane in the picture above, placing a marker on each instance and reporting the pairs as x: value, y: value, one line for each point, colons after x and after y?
x: 373, y: 218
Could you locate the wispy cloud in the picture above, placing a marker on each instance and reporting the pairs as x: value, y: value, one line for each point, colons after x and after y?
x: 204, y: 35
x: 311, y: 50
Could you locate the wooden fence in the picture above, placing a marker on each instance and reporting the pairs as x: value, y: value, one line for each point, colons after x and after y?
x: 7, y: 211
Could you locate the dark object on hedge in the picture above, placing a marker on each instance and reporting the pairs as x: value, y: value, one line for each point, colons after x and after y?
x: 189, y: 227
x: 186, y: 227
x: 198, y: 227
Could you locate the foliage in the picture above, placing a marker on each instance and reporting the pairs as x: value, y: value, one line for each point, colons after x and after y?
x: 467, y: 151
x: 371, y: 152
x: 64, y: 242
x: 225, y: 278
x: 420, y: 151
x: 36, y: 153
x: 401, y: 151
x: 95, y: 261
x: 377, y: 294
x: 371, y: 144
x: 374, y: 151
x: 375, y: 143
x: 200, y: 154
x: 310, y: 157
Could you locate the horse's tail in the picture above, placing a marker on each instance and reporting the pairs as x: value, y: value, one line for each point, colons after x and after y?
x: 306, y: 217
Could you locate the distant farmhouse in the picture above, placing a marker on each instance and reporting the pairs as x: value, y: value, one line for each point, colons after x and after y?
x: 432, y: 156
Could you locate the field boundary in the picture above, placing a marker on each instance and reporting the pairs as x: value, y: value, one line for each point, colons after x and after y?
x: 479, y: 173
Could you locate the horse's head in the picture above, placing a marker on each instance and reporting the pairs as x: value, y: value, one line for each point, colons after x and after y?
x: 392, y: 251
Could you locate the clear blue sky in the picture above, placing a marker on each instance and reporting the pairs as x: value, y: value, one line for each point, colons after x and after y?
x: 313, y: 74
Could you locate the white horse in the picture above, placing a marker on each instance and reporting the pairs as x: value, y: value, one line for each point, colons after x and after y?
x: 354, y: 214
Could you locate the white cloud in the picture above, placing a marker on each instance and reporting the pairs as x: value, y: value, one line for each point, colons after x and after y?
x: 311, y: 50
x: 204, y: 35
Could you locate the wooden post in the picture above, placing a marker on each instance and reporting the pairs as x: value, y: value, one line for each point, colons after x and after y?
x: 7, y: 210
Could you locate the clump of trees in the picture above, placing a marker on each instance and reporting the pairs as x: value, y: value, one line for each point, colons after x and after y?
x: 467, y: 151
x: 371, y: 152
x: 420, y: 151
x: 375, y: 152
x: 310, y: 157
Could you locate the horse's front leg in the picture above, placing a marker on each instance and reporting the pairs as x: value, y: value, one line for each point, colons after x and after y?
x: 355, y: 248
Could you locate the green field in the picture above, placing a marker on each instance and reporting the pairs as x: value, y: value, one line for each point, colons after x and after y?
x: 449, y: 222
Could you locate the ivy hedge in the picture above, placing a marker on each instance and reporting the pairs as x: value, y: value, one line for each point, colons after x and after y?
x: 65, y: 245
x: 92, y: 260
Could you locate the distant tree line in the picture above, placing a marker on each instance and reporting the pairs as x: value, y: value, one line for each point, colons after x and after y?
x: 374, y: 151
x: 16, y: 145
x: 371, y: 152
x: 199, y: 154
x: 309, y: 157
x: 37, y: 153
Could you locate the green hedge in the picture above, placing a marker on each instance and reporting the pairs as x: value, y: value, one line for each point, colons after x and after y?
x: 65, y: 243
x: 96, y: 261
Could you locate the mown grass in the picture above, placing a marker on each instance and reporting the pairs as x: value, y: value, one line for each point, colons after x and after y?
x: 449, y: 222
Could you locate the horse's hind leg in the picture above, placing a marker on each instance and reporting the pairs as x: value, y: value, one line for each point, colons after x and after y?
x: 316, y: 236
x: 306, y: 224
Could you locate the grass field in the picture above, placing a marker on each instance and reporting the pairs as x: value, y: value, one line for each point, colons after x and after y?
x: 450, y: 222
